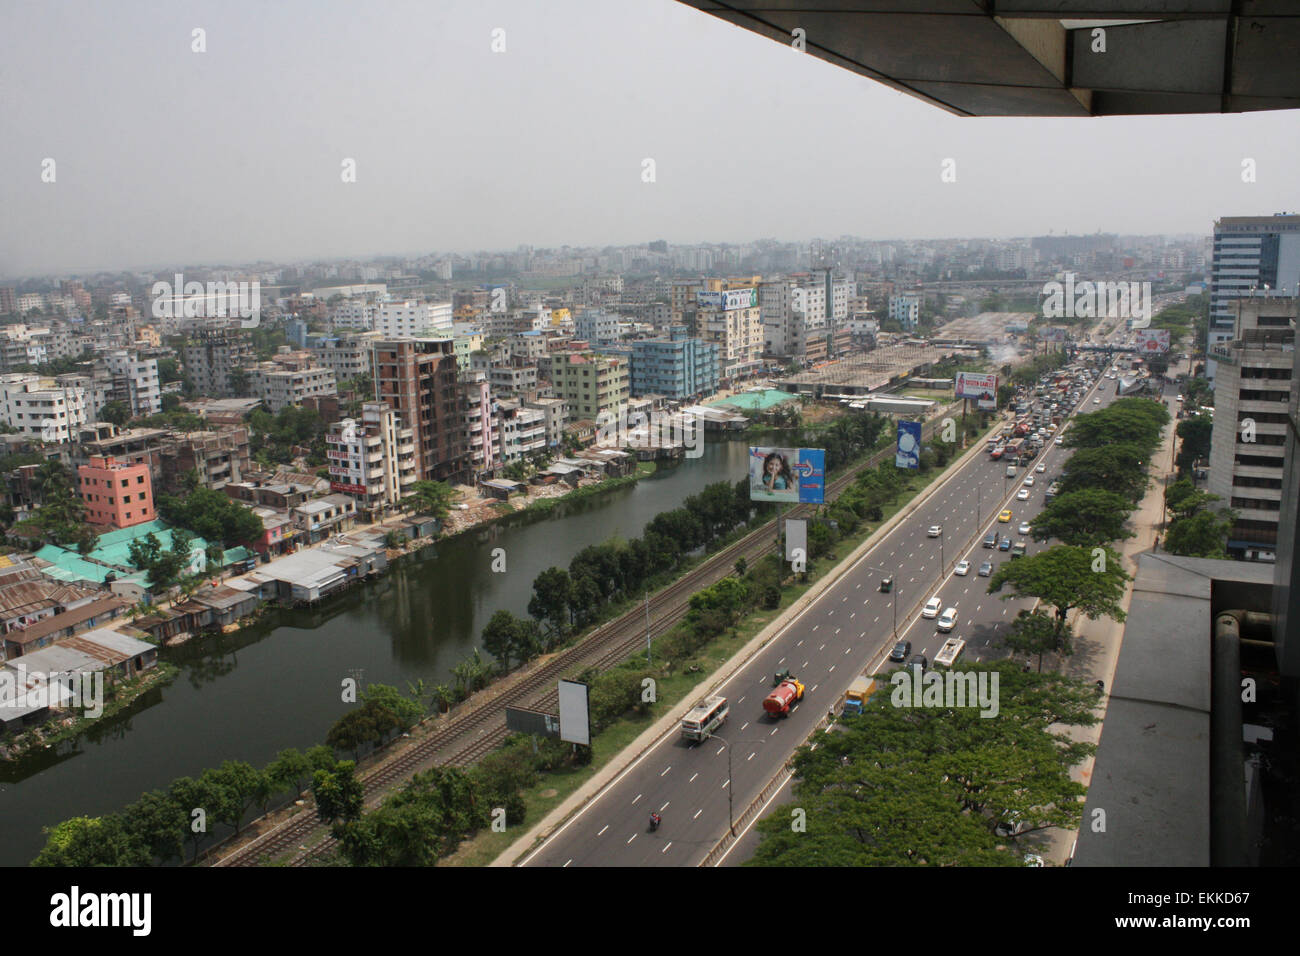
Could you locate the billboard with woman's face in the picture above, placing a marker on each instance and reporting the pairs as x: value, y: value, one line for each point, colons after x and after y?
x: 787, y: 474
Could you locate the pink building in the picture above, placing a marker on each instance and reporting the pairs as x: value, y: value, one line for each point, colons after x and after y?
x: 116, y: 493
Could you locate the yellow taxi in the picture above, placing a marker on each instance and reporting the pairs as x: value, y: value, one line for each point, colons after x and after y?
x: 1005, y: 516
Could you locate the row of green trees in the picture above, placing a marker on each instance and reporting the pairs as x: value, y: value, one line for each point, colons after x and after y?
x: 155, y: 829
x: 1102, y: 482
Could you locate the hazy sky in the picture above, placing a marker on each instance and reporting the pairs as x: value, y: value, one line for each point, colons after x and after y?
x: 168, y: 157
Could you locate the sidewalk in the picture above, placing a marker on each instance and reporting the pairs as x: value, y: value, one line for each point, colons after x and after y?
x: 1097, y: 643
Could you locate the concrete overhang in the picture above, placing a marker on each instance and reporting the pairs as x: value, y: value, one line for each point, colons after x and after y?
x: 1045, y: 57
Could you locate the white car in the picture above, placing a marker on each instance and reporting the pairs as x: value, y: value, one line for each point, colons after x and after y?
x: 1024, y: 527
x: 931, y: 608
x: 963, y: 568
x: 947, y: 621
x: 935, y: 530
x: 1096, y: 401
x: 1042, y: 467
x: 1060, y: 439
x: 1022, y: 494
x: 1029, y: 482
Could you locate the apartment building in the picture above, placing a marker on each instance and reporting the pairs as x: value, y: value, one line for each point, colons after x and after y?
x: 40, y: 408
x: 589, y: 383
x: 290, y: 379
x: 116, y: 494
x: 353, y: 316
x: 372, y: 459
x: 135, y: 382
x: 347, y: 356
x: 419, y: 379
x: 411, y: 319
x: 1252, y: 398
x: 482, y: 424
x: 598, y: 327
x: 212, y: 354
x: 220, y: 457
x: 732, y: 319
x: 522, y: 431
x: 906, y: 309
x: 678, y: 366
x: 555, y: 412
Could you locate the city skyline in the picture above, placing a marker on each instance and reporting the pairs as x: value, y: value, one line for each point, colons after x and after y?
x: 542, y: 144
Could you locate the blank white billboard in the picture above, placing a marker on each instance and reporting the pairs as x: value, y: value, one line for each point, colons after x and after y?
x: 796, y: 538
x: 575, y: 713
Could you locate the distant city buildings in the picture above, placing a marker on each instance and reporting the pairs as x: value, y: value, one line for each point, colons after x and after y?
x: 1250, y: 253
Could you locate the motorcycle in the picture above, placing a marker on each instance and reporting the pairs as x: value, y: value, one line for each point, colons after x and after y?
x: 655, y: 820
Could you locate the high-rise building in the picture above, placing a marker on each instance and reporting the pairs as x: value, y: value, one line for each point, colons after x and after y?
x: 40, y: 408
x: 411, y: 319
x: 1252, y: 402
x: 1286, y: 576
x: 418, y: 378
x: 590, y: 383
x: 1250, y: 252
x: 906, y: 309
x: 137, y: 379
x: 732, y: 319
x: 372, y: 459
x: 212, y: 355
x: 679, y: 367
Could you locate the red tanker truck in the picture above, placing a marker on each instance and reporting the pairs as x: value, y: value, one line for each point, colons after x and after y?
x: 786, y: 694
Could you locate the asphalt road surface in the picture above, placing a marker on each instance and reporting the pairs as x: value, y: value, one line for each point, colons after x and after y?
x: 849, y: 629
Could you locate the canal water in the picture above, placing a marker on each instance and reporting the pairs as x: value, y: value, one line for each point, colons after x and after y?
x: 277, y: 684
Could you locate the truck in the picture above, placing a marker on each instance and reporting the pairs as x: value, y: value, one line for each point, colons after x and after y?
x: 997, y: 452
x: 950, y: 651
x: 859, y: 692
x: 784, y: 696
x: 1013, y: 447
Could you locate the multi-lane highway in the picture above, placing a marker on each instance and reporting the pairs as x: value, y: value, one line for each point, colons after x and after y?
x: 848, y: 628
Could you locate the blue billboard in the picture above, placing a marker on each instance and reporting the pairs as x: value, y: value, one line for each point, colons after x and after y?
x: 908, y: 454
x: 787, y: 474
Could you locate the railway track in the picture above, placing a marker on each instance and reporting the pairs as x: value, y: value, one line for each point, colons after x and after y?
x: 477, y: 730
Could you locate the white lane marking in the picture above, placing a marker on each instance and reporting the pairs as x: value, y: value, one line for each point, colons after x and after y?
x: 774, y: 730
x: 665, y: 849
x: 751, y: 756
x: 664, y: 807
x: 725, y: 784
x: 848, y: 650
x: 666, y: 769
x: 742, y: 727
x: 741, y: 701
x: 837, y: 630
x: 815, y: 626
x: 631, y: 838
x: 832, y: 670
x: 697, y: 814
x: 567, y: 862
x: 781, y: 661
x: 813, y: 688
x: 693, y: 776
x: 800, y: 644
x: 720, y: 749
x: 638, y: 797
x: 805, y: 664
x: 603, y: 829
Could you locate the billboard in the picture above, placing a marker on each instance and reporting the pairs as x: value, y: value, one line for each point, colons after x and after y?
x: 1151, y: 341
x: 787, y: 474
x: 575, y: 714
x: 977, y: 385
x: 532, y: 722
x: 908, y: 453
x: 731, y: 299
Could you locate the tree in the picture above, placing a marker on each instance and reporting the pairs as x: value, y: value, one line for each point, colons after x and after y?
x: 1117, y: 467
x: 1084, y: 517
x: 116, y: 412
x: 1184, y: 499
x: 1195, y: 433
x: 157, y: 822
x: 290, y: 770
x: 423, y: 822
x: 1036, y: 633
x: 339, y: 795
x: 238, y: 381
x: 507, y: 637
x: 92, y: 841
x: 1200, y: 535
x: 430, y: 498
x: 211, y: 515
x: 1068, y: 578
x: 353, y: 730
x: 907, y: 785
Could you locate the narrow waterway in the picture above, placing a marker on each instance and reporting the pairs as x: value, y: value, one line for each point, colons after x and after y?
x: 249, y: 695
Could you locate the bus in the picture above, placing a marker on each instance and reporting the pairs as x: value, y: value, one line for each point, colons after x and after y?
x: 704, y: 718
